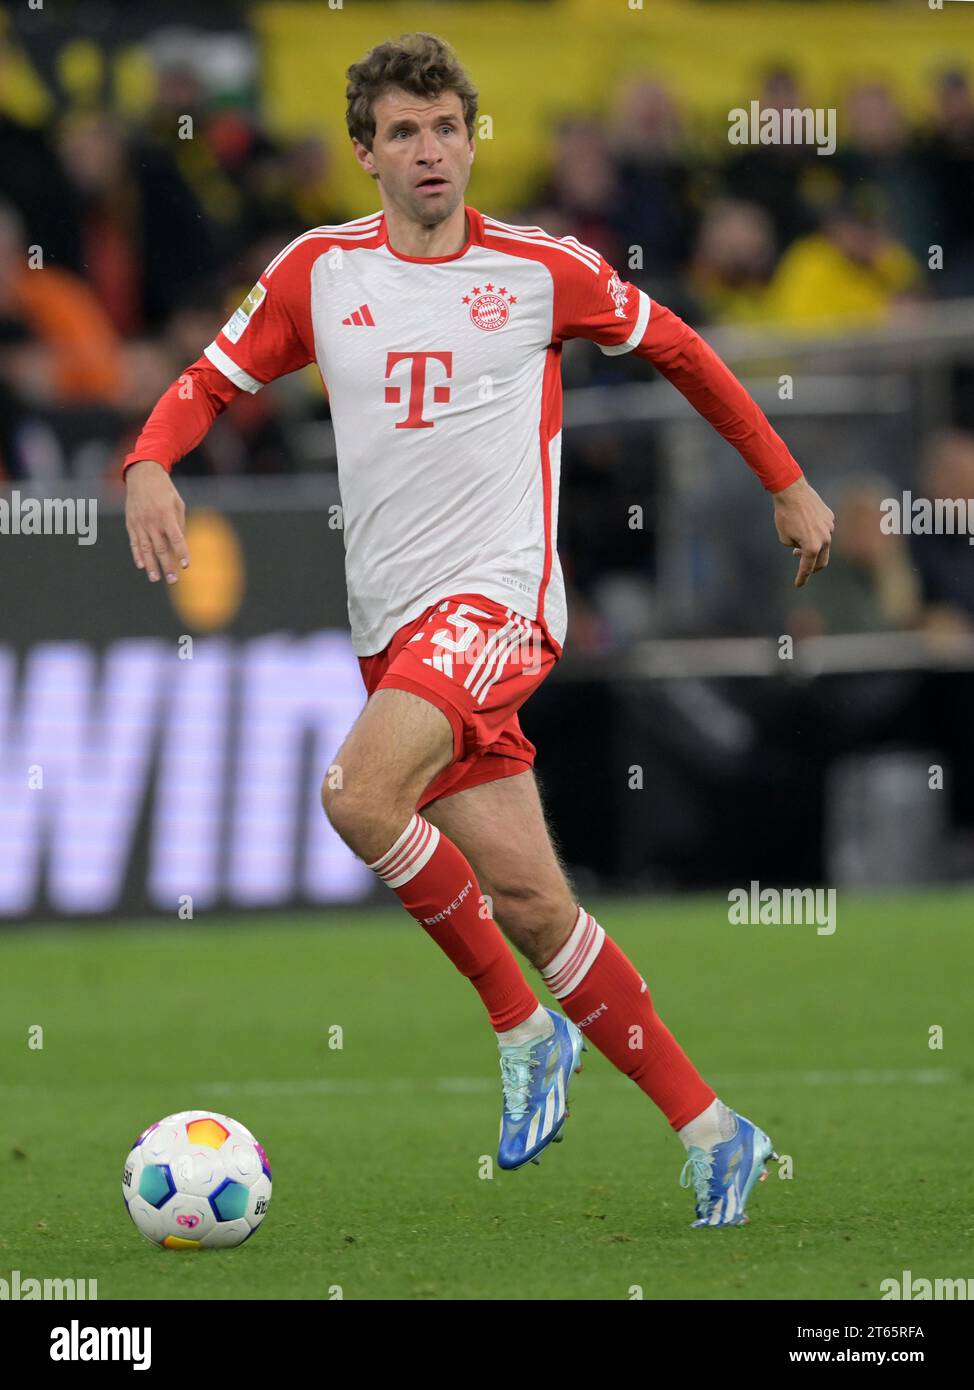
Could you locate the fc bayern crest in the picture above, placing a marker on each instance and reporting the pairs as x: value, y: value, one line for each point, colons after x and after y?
x: 489, y: 308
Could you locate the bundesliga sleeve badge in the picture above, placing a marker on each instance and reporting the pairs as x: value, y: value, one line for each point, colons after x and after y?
x: 240, y: 317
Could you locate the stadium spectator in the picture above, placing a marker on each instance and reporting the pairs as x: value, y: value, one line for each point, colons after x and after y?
x: 944, y: 562
x: 143, y: 235
x: 283, y: 182
x: 607, y: 484
x: 786, y: 180
x: 879, y: 150
x: 309, y: 163
x: 655, y: 209
x: 947, y: 154
x: 584, y: 187
x: 850, y: 273
x: 248, y: 183
x: 32, y: 181
x: 66, y: 350
x: 872, y: 587
x: 732, y: 263
x: 206, y: 162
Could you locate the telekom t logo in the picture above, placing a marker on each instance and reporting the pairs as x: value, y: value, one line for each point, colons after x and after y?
x: 417, y: 385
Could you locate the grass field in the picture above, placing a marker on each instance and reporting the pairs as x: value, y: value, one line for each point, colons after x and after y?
x: 376, y: 1148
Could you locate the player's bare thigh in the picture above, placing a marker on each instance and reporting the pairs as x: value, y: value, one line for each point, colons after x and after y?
x: 500, y: 826
x: 393, y: 751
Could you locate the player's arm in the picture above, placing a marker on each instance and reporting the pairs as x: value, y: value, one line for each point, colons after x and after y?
x: 268, y: 336
x: 620, y: 318
x: 155, y: 514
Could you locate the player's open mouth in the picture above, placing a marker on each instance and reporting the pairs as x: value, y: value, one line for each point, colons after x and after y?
x: 433, y: 183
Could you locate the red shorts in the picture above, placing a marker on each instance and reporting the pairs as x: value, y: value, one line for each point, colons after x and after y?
x: 478, y: 662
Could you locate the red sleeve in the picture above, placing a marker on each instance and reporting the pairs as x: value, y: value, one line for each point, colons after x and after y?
x: 270, y: 334
x: 183, y: 415
x: 594, y: 303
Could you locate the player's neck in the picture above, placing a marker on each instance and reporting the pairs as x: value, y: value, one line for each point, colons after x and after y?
x: 410, y: 238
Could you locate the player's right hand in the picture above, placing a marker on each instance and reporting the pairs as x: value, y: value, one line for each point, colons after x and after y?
x: 804, y: 522
x: 155, y: 518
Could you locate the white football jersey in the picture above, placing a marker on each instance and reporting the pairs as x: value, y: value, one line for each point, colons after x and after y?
x: 445, y: 387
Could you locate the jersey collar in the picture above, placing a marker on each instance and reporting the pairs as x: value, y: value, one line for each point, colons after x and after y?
x: 475, y: 237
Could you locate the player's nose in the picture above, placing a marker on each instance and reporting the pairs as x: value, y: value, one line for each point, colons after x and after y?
x: 428, y: 151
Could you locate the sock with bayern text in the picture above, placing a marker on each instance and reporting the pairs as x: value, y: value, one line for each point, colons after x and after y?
x: 602, y: 991
x: 435, y: 884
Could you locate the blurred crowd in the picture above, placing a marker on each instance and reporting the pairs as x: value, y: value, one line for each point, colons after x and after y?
x: 124, y: 248
x: 882, y: 580
x: 777, y: 233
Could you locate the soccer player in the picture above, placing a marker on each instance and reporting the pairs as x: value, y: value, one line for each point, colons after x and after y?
x: 438, y: 332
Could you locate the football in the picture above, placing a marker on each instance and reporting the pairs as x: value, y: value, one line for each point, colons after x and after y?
x: 197, y: 1180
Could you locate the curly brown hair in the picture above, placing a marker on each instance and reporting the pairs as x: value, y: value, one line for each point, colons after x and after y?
x: 420, y: 64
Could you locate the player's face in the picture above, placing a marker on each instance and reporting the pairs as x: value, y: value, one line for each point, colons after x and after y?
x: 421, y: 154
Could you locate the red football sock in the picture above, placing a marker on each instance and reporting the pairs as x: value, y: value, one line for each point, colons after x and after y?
x: 436, y: 885
x: 602, y: 991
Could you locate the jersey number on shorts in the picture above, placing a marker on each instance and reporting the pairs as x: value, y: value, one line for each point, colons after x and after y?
x: 467, y: 631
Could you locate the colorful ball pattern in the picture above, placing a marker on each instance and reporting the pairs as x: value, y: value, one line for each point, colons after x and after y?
x: 197, y: 1181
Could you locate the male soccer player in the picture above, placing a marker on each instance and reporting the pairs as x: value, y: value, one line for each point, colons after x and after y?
x: 438, y: 332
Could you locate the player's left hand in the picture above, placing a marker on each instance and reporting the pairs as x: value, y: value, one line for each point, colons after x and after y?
x: 804, y: 522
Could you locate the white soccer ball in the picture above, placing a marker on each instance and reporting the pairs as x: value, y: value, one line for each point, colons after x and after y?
x: 197, y: 1180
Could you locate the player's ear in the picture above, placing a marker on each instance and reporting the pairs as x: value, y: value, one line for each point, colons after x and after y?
x: 364, y: 157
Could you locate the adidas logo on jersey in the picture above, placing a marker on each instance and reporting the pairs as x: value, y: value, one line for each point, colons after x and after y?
x: 362, y: 317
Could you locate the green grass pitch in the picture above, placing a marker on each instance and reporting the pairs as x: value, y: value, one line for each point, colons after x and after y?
x: 377, y: 1148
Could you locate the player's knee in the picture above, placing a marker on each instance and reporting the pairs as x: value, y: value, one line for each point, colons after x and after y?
x: 347, y: 810
x: 530, y: 909
x: 342, y: 789
x: 368, y: 822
